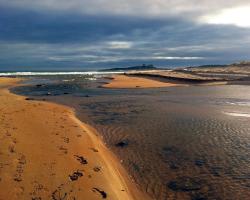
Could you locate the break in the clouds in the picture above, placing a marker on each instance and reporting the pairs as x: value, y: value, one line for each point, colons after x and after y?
x: 80, y: 34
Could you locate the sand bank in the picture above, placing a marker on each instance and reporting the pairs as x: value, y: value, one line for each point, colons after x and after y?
x: 47, y: 153
x: 123, y: 81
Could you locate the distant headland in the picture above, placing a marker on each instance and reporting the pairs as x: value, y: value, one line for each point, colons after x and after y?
x: 138, y: 67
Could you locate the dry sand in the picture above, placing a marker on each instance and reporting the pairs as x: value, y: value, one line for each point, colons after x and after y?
x: 47, y: 153
x: 123, y: 81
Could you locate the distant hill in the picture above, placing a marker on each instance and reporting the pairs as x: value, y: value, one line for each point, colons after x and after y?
x: 241, y: 64
x: 139, y: 67
x: 207, y: 66
x: 238, y: 64
x: 240, y: 67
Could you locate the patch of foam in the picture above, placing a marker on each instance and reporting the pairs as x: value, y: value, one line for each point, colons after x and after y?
x: 237, y: 114
x: 246, y: 103
x: 56, y: 73
x: 91, y: 78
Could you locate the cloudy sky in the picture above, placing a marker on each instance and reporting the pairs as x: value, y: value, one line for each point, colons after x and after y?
x: 88, y: 34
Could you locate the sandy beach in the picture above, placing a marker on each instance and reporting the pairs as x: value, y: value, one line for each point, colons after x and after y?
x: 158, y: 80
x: 47, y: 153
x: 123, y: 81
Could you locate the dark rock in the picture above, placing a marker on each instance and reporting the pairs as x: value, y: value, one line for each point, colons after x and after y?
x: 65, y: 93
x: 170, y: 149
x: 29, y: 99
x: 135, y: 167
x: 199, y: 162
x: 173, y: 166
x: 198, y: 196
x: 123, y: 143
x: 185, y: 184
x: 216, y: 171
x: 40, y: 85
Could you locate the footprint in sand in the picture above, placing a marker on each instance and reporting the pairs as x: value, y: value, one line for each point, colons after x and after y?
x: 76, y: 175
x: 63, y: 149
x: 94, y: 150
x: 8, y: 133
x: 101, y: 192
x: 81, y: 159
x: 63, y: 192
x: 97, y: 168
x: 11, y: 148
x: 65, y: 139
x: 14, y: 140
x: 19, y: 168
x: 36, y: 198
x: 38, y: 189
x: 57, y: 195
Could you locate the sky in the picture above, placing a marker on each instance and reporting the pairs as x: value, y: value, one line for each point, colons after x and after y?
x: 71, y: 35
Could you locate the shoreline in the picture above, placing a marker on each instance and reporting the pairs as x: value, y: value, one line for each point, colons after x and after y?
x: 148, y: 80
x: 39, y: 137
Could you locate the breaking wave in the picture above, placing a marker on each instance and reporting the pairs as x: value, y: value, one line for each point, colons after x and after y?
x: 57, y: 73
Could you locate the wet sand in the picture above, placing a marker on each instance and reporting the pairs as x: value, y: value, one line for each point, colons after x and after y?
x: 123, y: 81
x: 47, y: 153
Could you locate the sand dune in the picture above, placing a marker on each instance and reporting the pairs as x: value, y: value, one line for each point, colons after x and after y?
x: 47, y: 153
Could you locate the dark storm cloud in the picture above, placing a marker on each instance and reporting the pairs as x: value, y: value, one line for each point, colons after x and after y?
x: 24, y: 26
x: 146, y: 8
x: 44, y: 37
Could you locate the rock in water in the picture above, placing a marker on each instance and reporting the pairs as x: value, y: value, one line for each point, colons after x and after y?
x: 185, y: 184
x: 123, y: 143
